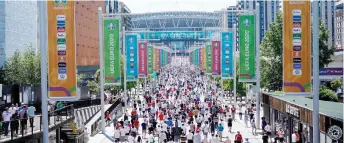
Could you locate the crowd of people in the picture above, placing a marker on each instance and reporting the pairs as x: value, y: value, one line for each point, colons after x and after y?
x: 182, y: 105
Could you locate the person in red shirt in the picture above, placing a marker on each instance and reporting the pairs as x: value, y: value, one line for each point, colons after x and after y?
x: 238, y: 138
x: 161, y: 117
x: 107, y: 116
x: 233, y: 112
x: 209, y: 104
x: 136, y: 123
x: 190, y: 113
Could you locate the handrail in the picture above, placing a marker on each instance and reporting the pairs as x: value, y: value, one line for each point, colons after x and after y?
x: 94, y: 127
x: 18, y: 126
x: 89, y: 119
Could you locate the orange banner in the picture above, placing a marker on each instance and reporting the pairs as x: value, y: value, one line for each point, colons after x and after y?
x: 61, y: 47
x: 204, y: 60
x: 156, y: 59
x: 296, y: 47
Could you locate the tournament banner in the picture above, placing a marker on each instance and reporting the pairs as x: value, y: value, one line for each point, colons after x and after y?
x: 166, y: 58
x: 156, y: 60
x: 143, y: 60
x: 208, y: 59
x: 216, y: 58
x: 247, y: 47
x: 227, y: 55
x: 204, y: 63
x: 131, y: 57
x: 150, y: 59
x: 201, y: 58
x: 61, y: 42
x: 162, y: 58
x: 297, y: 47
x: 197, y: 57
x: 112, y: 52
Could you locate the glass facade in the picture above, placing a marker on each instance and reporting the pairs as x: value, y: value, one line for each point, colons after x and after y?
x: 18, y: 27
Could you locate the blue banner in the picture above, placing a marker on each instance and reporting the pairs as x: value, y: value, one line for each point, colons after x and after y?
x: 197, y: 57
x: 227, y: 55
x: 161, y: 58
x: 131, y: 57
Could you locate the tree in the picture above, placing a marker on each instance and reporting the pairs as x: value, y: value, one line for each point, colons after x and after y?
x: 336, y: 84
x: 325, y: 50
x: 79, y: 78
x: 327, y: 95
x: 271, y: 56
x: 31, y: 69
x: 14, y: 69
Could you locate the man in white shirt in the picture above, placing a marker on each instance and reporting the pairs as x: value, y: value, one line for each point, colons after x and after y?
x: 189, y: 137
x: 122, y: 132
x: 215, y: 139
x: 293, y: 137
x: 131, y: 139
x: 162, y: 137
x: 12, y: 109
x: 117, y: 134
x: 6, y: 116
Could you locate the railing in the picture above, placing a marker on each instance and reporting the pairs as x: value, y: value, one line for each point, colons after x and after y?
x: 111, y: 101
x: 21, y: 127
x: 95, y: 126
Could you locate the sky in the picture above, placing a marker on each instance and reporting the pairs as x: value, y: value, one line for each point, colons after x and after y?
x: 143, y: 6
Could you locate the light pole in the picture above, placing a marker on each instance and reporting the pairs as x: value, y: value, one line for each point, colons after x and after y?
x: 44, y: 83
x: 101, y: 65
x: 315, y: 72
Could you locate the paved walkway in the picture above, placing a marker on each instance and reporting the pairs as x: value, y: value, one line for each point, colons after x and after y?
x: 238, y: 125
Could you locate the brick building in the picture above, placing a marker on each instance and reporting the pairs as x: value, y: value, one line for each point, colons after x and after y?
x: 86, y: 23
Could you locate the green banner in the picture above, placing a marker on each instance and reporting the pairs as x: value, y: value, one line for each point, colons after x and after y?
x: 150, y: 59
x: 247, y: 48
x: 112, y: 66
x: 208, y: 59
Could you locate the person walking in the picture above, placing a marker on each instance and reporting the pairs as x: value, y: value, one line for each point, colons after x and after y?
x: 14, y: 123
x: 190, y: 137
x: 253, y: 126
x: 246, y: 118
x: 220, y: 130
x: 6, y: 116
x: 268, y: 130
x: 238, y: 138
x: 229, y: 123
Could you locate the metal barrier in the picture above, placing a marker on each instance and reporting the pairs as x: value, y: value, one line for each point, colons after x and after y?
x: 18, y: 128
x: 95, y: 127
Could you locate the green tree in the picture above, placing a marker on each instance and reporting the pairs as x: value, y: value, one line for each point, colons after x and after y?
x: 79, y: 78
x: 271, y: 49
x: 327, y: 95
x: 271, y: 58
x: 325, y: 50
x: 335, y: 84
x: 14, y: 69
x: 30, y: 63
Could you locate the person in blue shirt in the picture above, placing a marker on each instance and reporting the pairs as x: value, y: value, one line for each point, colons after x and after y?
x: 169, y: 122
x: 220, y: 130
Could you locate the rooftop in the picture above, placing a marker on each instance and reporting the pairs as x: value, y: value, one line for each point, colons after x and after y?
x: 327, y: 108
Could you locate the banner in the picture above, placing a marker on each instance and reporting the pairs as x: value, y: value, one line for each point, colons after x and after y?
x: 112, y: 67
x: 209, y: 59
x: 216, y: 58
x: 156, y: 60
x: 297, y: 47
x: 150, y: 60
x: 247, y: 47
x: 61, y: 53
x: 227, y: 55
x: 162, y: 58
x: 197, y: 57
x: 143, y: 60
x: 201, y: 58
x: 131, y: 57
x: 204, y: 63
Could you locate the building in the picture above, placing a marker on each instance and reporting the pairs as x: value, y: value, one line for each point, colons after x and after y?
x: 87, y: 40
x: 232, y: 17
x: 18, y: 27
x: 339, y: 31
x: 327, y: 16
x: 267, y: 11
x: 114, y: 6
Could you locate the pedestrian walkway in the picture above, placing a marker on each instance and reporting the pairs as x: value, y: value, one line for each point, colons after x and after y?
x: 238, y: 125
